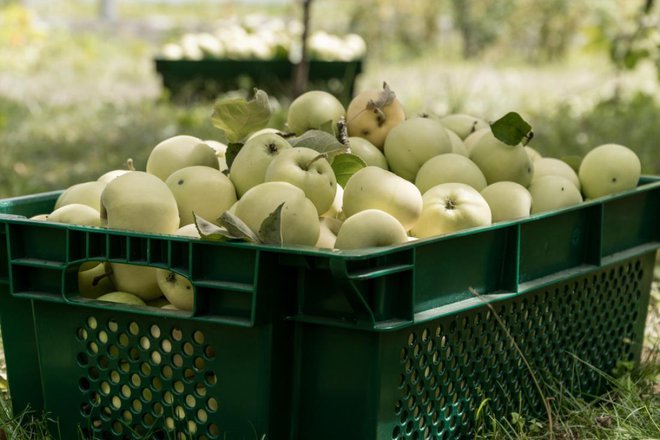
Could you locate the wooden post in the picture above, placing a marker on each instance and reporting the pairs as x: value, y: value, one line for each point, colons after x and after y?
x: 301, y: 70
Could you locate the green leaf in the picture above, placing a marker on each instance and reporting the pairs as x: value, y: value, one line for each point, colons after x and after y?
x: 210, y: 231
x: 512, y: 129
x: 232, y: 228
x: 237, y: 118
x: 345, y: 165
x: 232, y: 151
x: 270, y: 231
x: 237, y: 227
x: 318, y: 140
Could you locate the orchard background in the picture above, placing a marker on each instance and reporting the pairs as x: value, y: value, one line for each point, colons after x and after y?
x: 79, y: 93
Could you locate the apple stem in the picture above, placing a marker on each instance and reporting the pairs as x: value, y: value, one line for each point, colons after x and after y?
x: 318, y: 157
x: 129, y: 164
x: 97, y: 279
x: 342, y: 136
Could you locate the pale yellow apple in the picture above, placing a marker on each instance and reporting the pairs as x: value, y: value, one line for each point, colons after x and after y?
x: 313, y: 110
x: 178, y: 152
x: 412, y: 142
x: 122, y: 298
x: 299, y: 218
x: 370, y: 228
x: 110, y: 175
x: 76, y: 214
x: 608, y: 169
x: 469, y: 141
x: 507, y: 200
x: 39, y: 217
x: 251, y: 162
x: 376, y: 188
x: 463, y: 124
x: 176, y: 288
x: 451, y: 207
x: 308, y: 170
x: 263, y: 131
x: 86, y: 193
x: 94, y: 281
x: 328, y: 233
x: 335, y: 210
x: 220, y: 151
x: 141, y: 281
x: 553, y: 192
x: 499, y: 161
x: 548, y: 166
x: 369, y: 123
x: 532, y: 153
x: 203, y: 190
x: 457, y: 144
x: 449, y: 167
x: 368, y: 152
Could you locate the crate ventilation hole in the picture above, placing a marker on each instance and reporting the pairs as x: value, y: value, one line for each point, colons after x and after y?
x: 450, y: 368
x: 145, y: 380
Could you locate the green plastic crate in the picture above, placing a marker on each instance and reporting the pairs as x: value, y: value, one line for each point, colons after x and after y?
x: 388, y: 343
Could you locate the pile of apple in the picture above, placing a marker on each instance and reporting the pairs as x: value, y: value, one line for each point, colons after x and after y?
x: 263, y: 38
x: 339, y: 178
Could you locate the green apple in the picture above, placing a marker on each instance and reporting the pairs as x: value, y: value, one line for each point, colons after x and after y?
x: 40, y: 217
x: 158, y: 302
x: 313, y: 110
x: 371, y: 154
x: 553, y: 192
x: 86, y: 193
x: 335, y: 210
x: 608, y: 169
x: 76, y: 214
x: 178, y: 152
x: 176, y: 288
x: 105, y: 178
x: 251, y: 162
x: 328, y: 232
x: 451, y: 207
x: 507, y: 200
x: 141, y: 281
x: 499, y: 161
x: 370, y: 228
x: 263, y: 131
x: 94, y: 281
x: 376, y: 188
x: 299, y: 217
x: 122, y: 298
x: 457, y: 144
x: 449, y: 167
x: 413, y: 142
x: 202, y: 190
x: 373, y: 124
x: 220, y: 150
x: 463, y: 124
x: 548, y: 166
x: 532, y: 153
x: 469, y: 141
x: 308, y: 170
x: 139, y: 201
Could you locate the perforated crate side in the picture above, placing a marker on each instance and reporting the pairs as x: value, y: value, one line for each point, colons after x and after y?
x: 427, y: 381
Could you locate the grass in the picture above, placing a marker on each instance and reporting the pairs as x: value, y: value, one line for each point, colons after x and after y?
x: 75, y: 106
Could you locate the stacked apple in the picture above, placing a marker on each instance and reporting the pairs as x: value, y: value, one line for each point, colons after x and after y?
x: 338, y: 178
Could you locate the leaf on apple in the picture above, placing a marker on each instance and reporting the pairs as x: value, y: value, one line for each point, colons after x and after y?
x: 345, y: 165
x: 318, y: 140
x: 232, y: 228
x: 512, y: 129
x: 232, y: 151
x: 573, y: 161
x: 238, y: 118
x: 385, y: 98
x: 270, y: 231
x: 328, y: 127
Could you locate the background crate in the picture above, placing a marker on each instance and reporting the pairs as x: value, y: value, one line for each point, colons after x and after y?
x: 284, y: 340
x: 210, y: 77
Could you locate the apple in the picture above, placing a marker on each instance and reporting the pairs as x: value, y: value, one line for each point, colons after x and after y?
x: 553, y: 192
x: 86, y: 193
x: 299, y: 217
x: 105, y: 178
x: 469, y: 141
x: 263, y: 131
x: 313, y: 110
x: 335, y: 210
x: 138, y: 201
x: 328, y: 232
x: 451, y: 207
x: 413, y: 142
x: 76, y: 214
x: 122, y: 298
x: 608, y: 169
x: 457, y: 144
x: 40, y: 217
x: 449, y: 167
x: 308, y: 170
x: 251, y: 162
x: 548, y: 166
x: 203, y: 190
x: 93, y: 280
x: 220, y: 150
x: 178, y: 152
x: 373, y: 187
x: 499, y: 161
x: 368, y: 152
x: 370, y: 228
x: 532, y: 153
x: 177, y: 289
x: 507, y: 200
x: 373, y: 124
x: 159, y: 302
x: 463, y: 124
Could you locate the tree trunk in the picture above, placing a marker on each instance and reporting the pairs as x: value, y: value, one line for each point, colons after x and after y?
x: 301, y: 70
x: 463, y: 20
